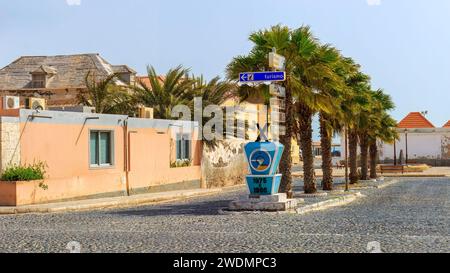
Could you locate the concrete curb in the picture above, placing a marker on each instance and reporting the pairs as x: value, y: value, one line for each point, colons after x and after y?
x: 335, y: 202
x: 108, y: 203
x: 417, y: 175
x: 387, y: 175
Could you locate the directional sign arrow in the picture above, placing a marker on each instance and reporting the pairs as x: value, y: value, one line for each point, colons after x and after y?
x: 275, y: 76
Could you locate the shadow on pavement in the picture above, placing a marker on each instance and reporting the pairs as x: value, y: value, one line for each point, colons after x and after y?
x: 200, y: 208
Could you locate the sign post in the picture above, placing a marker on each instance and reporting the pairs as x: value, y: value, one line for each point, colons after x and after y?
x: 263, y: 158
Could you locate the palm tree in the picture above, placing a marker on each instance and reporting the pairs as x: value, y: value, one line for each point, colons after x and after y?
x: 354, y: 102
x: 380, y: 126
x: 264, y: 41
x: 369, y: 122
x: 214, y: 92
x: 333, y: 121
x: 384, y: 131
x: 366, y: 118
x: 309, y: 73
x: 164, y: 93
x: 106, y: 96
x: 317, y: 88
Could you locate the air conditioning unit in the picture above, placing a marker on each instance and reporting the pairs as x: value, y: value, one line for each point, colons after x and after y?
x: 146, y: 112
x: 36, y: 103
x: 11, y: 102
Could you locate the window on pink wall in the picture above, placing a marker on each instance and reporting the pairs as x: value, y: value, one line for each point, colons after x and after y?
x: 100, y: 148
x: 183, y: 146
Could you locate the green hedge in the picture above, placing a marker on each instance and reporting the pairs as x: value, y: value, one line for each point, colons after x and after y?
x: 35, y: 171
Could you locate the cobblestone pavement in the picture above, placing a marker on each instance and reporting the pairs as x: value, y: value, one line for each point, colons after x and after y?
x: 410, y: 216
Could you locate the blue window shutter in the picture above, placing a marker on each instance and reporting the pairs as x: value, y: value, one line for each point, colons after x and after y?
x: 187, y: 149
x: 105, y: 148
x: 179, y: 148
x: 93, y: 148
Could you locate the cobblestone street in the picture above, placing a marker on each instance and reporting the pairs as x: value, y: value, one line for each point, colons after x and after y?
x: 410, y: 216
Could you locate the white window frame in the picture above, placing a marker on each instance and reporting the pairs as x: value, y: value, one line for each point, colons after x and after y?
x: 111, y: 149
x: 183, y: 137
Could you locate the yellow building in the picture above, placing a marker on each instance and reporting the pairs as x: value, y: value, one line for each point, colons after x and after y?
x: 256, y: 114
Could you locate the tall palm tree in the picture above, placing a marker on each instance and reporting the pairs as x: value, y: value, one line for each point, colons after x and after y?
x: 164, y: 93
x: 385, y: 132
x: 333, y: 121
x: 366, y: 118
x: 106, y: 96
x: 280, y: 38
x: 308, y: 73
x: 213, y: 92
x: 379, y: 126
x: 352, y: 106
x: 369, y: 122
x: 317, y: 88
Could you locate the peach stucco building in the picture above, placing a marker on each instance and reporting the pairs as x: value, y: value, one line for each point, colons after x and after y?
x: 95, y: 155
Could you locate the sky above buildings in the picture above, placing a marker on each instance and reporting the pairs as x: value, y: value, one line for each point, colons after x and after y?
x: 403, y: 44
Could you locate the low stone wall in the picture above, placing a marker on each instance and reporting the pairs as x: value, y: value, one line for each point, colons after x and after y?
x: 9, y: 142
x: 224, y: 164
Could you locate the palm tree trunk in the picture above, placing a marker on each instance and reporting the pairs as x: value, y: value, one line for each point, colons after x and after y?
x: 305, y: 126
x: 364, y: 147
x: 373, y: 159
x: 325, y: 144
x: 286, y: 140
x: 353, y: 156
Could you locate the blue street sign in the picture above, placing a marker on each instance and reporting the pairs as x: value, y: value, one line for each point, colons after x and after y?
x: 275, y: 76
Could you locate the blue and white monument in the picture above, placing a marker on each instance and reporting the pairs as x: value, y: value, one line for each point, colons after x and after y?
x: 263, y: 180
x: 263, y: 160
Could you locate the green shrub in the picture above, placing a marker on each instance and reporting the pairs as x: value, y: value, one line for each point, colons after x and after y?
x: 179, y: 163
x: 35, y: 171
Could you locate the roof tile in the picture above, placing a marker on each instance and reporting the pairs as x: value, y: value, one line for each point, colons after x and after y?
x: 415, y: 120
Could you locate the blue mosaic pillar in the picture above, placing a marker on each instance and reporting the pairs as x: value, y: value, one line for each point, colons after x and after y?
x: 263, y: 159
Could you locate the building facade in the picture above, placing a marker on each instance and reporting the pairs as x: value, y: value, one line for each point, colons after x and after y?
x: 419, y: 142
x: 95, y: 155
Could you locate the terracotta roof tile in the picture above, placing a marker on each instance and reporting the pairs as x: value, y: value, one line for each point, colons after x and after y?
x: 415, y: 120
x: 447, y: 125
x: 146, y: 81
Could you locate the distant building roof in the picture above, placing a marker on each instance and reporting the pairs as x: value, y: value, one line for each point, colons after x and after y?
x: 415, y: 120
x: 123, y: 69
x: 69, y: 71
x: 146, y: 81
x: 447, y: 125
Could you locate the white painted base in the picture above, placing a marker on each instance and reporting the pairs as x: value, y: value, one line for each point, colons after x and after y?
x: 276, y: 202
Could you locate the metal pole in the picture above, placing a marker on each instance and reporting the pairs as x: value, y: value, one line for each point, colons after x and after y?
x: 406, y: 139
x: 395, y: 153
x: 346, y: 159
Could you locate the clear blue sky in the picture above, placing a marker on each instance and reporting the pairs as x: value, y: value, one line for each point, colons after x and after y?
x: 403, y: 44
